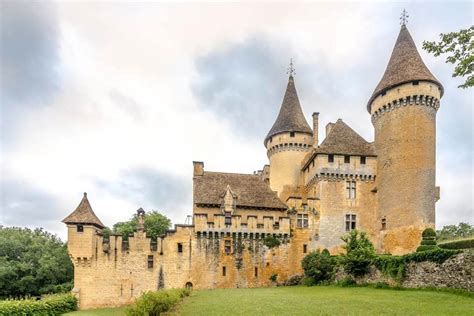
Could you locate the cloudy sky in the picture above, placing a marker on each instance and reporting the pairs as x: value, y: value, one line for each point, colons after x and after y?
x: 118, y: 99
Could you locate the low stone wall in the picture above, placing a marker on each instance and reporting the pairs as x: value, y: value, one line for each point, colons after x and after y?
x: 457, y: 272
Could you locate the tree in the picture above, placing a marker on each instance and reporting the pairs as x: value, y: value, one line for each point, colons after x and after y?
x: 360, y: 252
x: 460, y: 49
x: 319, y: 266
x: 462, y: 230
x: 33, y: 262
x: 156, y: 225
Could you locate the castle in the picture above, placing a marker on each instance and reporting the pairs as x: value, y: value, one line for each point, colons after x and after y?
x: 311, y: 193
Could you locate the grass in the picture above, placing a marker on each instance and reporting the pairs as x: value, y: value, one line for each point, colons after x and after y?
x: 99, y: 312
x: 324, y: 300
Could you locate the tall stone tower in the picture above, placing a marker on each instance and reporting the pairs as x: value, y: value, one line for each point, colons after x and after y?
x: 403, y: 109
x: 288, y: 141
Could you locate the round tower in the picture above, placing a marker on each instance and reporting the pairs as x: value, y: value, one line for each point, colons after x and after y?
x: 288, y: 141
x: 403, y: 109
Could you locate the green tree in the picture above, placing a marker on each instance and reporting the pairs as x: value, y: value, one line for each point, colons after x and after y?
x: 460, y: 49
x: 360, y: 253
x: 449, y: 232
x: 156, y: 225
x: 33, y: 262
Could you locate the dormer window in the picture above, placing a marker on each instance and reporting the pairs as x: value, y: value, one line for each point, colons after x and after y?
x: 80, y: 228
x: 292, y: 134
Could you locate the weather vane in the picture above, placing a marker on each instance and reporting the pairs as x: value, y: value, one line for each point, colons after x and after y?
x: 291, y: 69
x: 404, y: 17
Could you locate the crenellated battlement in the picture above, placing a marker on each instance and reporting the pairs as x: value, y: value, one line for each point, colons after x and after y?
x: 411, y: 100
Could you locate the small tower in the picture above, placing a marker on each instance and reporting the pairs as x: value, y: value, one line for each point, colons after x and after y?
x: 82, y: 228
x: 403, y: 109
x: 288, y: 141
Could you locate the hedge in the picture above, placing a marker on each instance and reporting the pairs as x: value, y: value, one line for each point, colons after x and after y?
x: 155, y: 303
x: 49, y: 305
x: 458, y: 244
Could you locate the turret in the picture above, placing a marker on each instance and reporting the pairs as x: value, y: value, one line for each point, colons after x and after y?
x: 403, y: 109
x: 83, y: 226
x: 288, y: 141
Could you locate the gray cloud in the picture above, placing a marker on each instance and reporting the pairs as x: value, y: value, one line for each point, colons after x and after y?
x: 243, y: 84
x: 153, y: 190
x: 22, y: 204
x: 29, y: 53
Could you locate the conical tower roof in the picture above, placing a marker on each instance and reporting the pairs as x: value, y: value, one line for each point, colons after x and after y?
x: 291, y: 117
x: 405, y: 65
x: 83, y: 214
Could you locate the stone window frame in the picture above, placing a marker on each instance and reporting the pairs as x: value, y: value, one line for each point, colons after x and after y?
x: 305, y: 248
x: 363, y: 160
x: 384, y: 223
x: 228, y: 218
x: 350, y: 221
x: 150, y: 261
x: 351, y: 189
x: 347, y: 159
x: 180, y: 247
x: 330, y: 158
x: 224, y: 272
x: 227, y: 246
x: 79, y: 228
x: 302, y: 220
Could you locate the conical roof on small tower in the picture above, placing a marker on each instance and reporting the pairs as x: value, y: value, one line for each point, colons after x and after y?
x: 83, y: 214
x: 405, y: 65
x: 291, y: 117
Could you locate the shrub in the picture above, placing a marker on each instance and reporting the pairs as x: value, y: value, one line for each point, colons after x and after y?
x: 427, y: 242
x: 296, y: 279
x: 348, y: 281
x: 155, y: 303
x: 360, y: 253
x: 429, y: 233
x: 271, y: 241
x: 426, y: 248
x: 392, y: 266
x: 318, y: 266
x: 274, y: 277
x: 325, y: 252
x: 57, y: 304
x: 458, y: 244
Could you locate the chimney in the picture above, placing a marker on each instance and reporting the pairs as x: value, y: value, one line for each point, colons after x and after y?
x: 198, y: 168
x: 315, y: 129
x: 329, y: 128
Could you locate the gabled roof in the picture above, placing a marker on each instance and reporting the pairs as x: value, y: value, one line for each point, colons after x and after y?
x: 344, y: 140
x: 83, y: 214
x: 291, y: 117
x: 251, y: 191
x: 405, y: 65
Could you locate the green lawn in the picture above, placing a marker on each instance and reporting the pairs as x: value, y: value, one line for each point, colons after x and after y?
x: 317, y: 300
x: 99, y: 312
x: 324, y: 300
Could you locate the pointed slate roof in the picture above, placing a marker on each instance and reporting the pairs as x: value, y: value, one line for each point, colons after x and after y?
x: 405, y: 65
x: 344, y: 140
x: 83, y: 214
x: 291, y: 117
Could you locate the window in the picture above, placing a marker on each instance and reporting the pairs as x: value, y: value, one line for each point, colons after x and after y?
x: 292, y: 134
x: 256, y: 272
x: 362, y: 160
x: 416, y: 82
x: 228, y: 218
x: 347, y: 159
x: 276, y: 225
x: 180, y: 247
x: 330, y: 158
x: 302, y: 220
x: 150, y: 262
x: 305, y: 248
x: 351, y: 189
x: 384, y: 223
x: 350, y: 222
x: 384, y: 93
x: 80, y: 228
x: 227, y: 247
x: 223, y: 271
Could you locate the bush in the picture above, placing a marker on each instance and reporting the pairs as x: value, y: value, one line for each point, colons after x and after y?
x: 271, y: 241
x: 458, y: 244
x: 427, y: 242
x: 318, y: 266
x: 392, y: 266
x: 274, y: 277
x: 429, y: 233
x: 426, y: 248
x: 296, y: 279
x: 57, y: 304
x: 155, y: 303
x: 360, y: 253
x: 346, y: 282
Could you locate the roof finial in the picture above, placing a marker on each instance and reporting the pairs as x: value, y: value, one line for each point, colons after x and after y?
x: 404, y: 18
x: 291, y: 69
